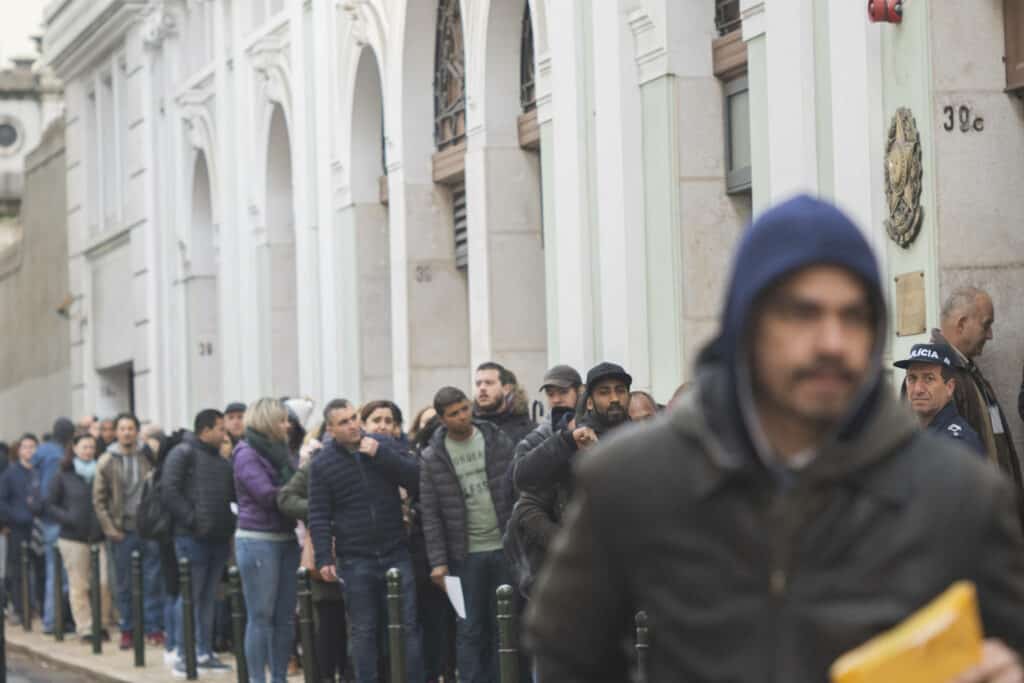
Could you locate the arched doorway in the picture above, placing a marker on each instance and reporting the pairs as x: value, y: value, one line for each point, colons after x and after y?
x: 429, y: 293
x: 369, y: 215
x: 503, y: 179
x: 279, y: 272
x: 201, y: 295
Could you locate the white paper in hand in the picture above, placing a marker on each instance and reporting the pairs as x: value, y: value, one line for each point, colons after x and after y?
x: 453, y: 587
x: 234, y: 508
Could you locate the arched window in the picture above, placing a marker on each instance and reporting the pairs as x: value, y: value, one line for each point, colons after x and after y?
x: 449, y: 77
x: 527, y: 73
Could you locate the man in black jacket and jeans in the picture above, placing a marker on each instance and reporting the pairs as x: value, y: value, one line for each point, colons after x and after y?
x: 787, y: 509
x: 465, y: 507
x: 355, y: 520
x: 197, y: 487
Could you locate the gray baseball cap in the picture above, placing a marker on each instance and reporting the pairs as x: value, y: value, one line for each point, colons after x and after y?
x: 561, y: 376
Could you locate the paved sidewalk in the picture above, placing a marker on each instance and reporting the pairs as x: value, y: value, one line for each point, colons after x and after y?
x: 112, y: 666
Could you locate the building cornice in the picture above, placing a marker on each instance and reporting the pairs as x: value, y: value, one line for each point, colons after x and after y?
x: 80, y: 32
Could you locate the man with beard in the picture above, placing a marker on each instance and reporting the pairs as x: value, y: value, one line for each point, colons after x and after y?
x: 494, y: 401
x: 544, y: 474
x: 786, y: 510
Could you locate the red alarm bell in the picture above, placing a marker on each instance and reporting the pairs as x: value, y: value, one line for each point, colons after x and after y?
x: 889, y: 11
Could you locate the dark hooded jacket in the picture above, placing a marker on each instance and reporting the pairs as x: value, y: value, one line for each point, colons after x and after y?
x: 751, y: 575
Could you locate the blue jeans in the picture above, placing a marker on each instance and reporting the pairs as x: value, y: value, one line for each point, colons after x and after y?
x: 171, y: 623
x: 268, y: 571
x: 476, y: 636
x: 366, y: 598
x: 152, y: 582
x: 50, y: 534
x: 207, y: 559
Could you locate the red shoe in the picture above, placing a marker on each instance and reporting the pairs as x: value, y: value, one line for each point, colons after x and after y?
x: 126, y: 640
x: 155, y: 638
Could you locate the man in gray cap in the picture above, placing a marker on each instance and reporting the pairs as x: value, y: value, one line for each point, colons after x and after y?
x: 562, y: 385
x: 234, y: 424
x: 930, y: 385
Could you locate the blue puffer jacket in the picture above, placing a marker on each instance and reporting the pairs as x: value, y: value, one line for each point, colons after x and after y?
x: 15, y: 487
x: 358, y: 496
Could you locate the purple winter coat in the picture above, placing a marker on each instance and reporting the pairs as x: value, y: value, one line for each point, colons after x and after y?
x: 257, y: 494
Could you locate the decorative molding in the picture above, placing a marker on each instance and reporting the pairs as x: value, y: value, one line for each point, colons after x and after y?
x: 650, y: 52
x: 158, y: 24
x: 357, y: 22
x: 269, y: 57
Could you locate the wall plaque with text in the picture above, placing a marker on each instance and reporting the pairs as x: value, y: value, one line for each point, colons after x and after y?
x: 911, y: 317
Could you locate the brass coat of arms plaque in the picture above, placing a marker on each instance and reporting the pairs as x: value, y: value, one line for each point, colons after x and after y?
x: 903, y: 179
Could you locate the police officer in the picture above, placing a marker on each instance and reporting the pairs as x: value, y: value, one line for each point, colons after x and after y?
x: 930, y: 385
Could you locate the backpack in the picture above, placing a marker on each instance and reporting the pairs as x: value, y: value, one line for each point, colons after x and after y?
x: 517, y: 552
x: 152, y: 520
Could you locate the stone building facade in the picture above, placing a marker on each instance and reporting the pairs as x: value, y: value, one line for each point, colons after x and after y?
x: 368, y: 197
x: 34, y: 356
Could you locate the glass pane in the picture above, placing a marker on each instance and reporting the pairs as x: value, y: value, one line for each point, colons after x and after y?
x: 739, y: 130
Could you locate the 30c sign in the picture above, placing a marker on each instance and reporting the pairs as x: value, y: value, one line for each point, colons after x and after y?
x: 961, y: 117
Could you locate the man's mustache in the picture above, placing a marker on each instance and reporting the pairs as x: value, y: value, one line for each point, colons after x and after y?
x: 825, y: 367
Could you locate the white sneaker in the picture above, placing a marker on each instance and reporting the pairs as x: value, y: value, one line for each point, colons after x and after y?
x: 170, y: 657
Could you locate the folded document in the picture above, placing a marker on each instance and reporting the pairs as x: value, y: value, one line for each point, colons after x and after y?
x: 934, y: 645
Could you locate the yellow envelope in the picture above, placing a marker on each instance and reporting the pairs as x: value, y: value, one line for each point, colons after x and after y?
x: 935, y: 644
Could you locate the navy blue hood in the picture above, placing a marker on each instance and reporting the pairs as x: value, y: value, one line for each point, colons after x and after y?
x: 789, y: 237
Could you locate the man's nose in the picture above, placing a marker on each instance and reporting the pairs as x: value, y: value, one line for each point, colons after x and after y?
x: 830, y: 338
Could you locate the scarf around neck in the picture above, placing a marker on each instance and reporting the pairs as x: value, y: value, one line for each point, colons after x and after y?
x: 85, y: 469
x: 274, y: 451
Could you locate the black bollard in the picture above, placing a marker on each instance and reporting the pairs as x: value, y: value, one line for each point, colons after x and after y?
x: 508, y: 641
x: 642, y: 645
x: 396, y: 636
x: 58, y: 595
x: 26, y: 591
x: 238, y: 623
x: 138, y: 614
x: 305, y: 593
x: 188, y: 618
x: 3, y: 633
x: 95, y: 599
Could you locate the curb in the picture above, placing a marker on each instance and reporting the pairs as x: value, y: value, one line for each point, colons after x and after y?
x: 64, y: 665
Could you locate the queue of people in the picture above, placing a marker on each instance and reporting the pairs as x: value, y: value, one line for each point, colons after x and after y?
x: 782, y: 486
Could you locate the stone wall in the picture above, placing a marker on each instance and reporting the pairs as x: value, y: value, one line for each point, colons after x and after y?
x: 979, y: 173
x: 34, y: 357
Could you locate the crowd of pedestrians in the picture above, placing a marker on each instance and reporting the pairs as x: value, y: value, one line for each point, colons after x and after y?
x: 779, y: 489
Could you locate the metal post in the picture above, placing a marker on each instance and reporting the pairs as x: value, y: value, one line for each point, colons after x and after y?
x: 305, y: 592
x: 95, y: 599
x: 396, y: 635
x: 58, y: 595
x: 642, y: 645
x: 26, y: 591
x: 138, y: 614
x: 238, y: 623
x: 508, y: 641
x: 188, y: 618
x: 3, y: 633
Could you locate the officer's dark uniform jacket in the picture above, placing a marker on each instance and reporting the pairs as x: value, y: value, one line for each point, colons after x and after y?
x: 948, y: 423
x: 747, y: 576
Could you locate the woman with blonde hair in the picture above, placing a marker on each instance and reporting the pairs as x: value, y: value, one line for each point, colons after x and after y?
x: 265, y: 545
